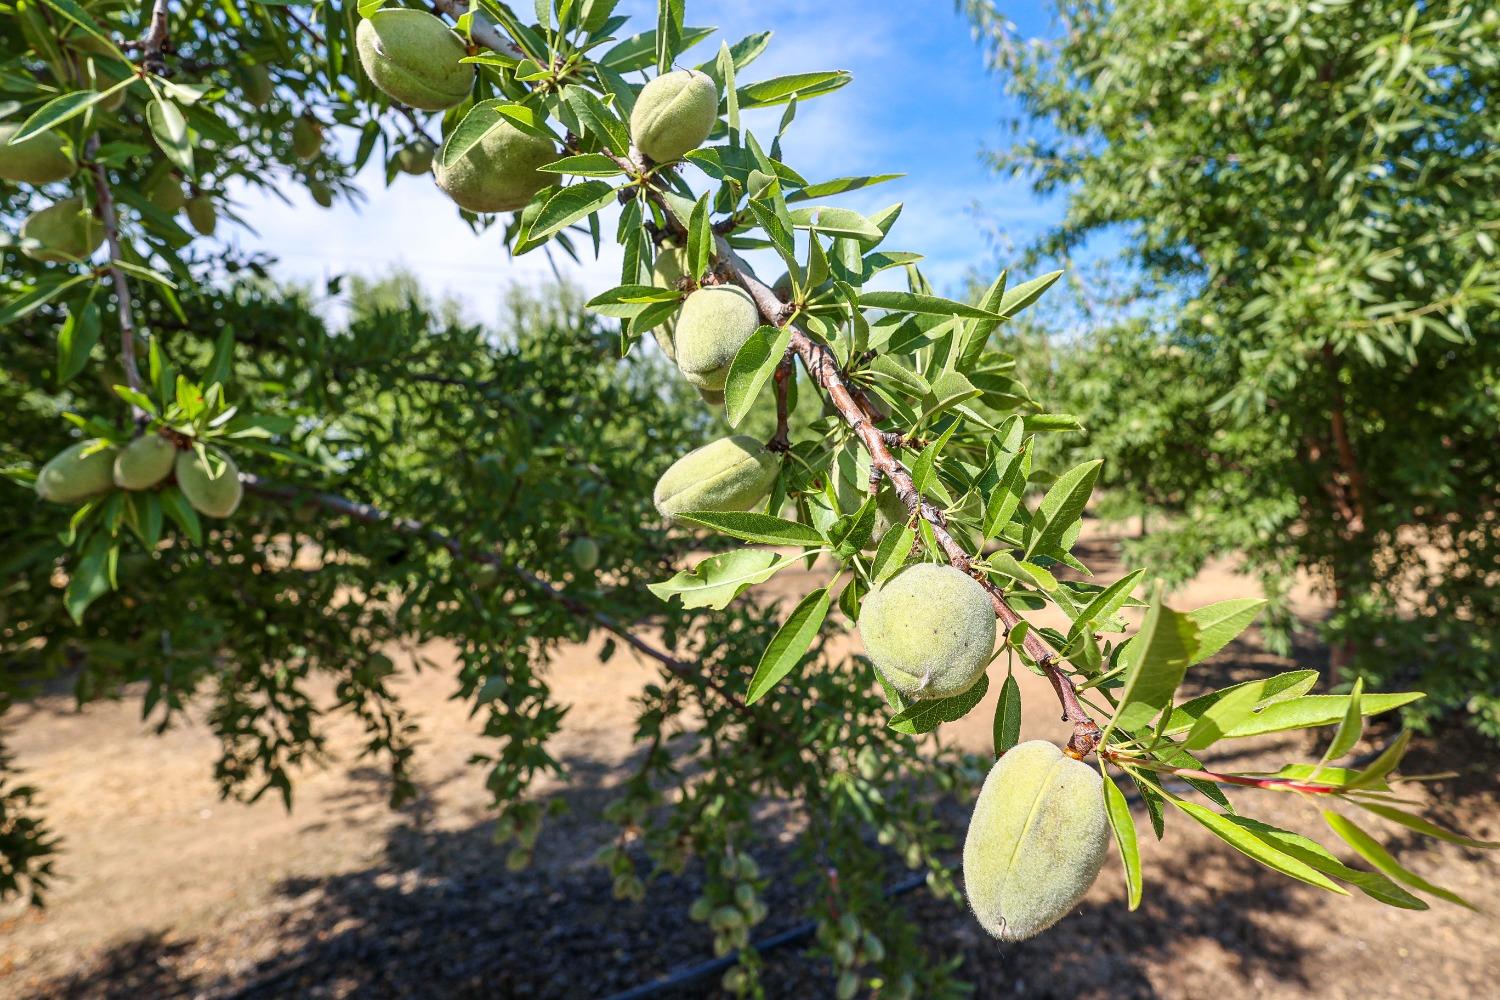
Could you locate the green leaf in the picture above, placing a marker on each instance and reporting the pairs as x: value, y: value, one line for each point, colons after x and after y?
x: 626, y: 301
x: 567, y: 206
x: 1351, y: 727
x: 170, y: 130
x: 1123, y: 825
x: 90, y: 578
x: 779, y: 90
x: 753, y: 365
x: 1232, y: 830
x: 1219, y: 623
x: 38, y: 296
x: 700, y: 247
x: 1105, y: 604
x: 598, y: 120
x: 1005, y: 499
x: 1222, y: 716
x: 1061, y: 508
x: 837, y: 222
x: 825, y: 188
x: 1159, y: 656
x: 1007, y: 725
x: 176, y: 507
x: 761, y: 528
x: 1425, y: 827
x: 79, y: 334
x: 1281, y: 687
x: 584, y: 165
x: 1316, y: 710
x: 1025, y: 294
x: 1373, y: 776
x: 891, y: 554
x: 57, y: 111
x: 639, y: 51
x: 789, y: 644
x: 720, y: 578
x: 1315, y: 855
x: 912, y: 302
x: 926, y: 715
x: 1371, y: 850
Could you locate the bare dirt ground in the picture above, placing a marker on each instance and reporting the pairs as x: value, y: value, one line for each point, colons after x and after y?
x: 168, y: 891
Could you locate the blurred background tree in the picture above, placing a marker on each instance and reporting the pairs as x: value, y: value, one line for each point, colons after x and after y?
x: 1309, y: 196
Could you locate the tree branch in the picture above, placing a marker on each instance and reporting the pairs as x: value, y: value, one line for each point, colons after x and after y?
x: 367, y: 514
x: 111, y: 223
x: 481, y: 30
x: 155, y: 41
x: 781, y: 440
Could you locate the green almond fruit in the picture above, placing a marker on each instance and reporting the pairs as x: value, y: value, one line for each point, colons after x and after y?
x: 929, y: 630
x: 414, y: 58
x: 72, y: 476
x: 732, y: 473
x: 307, y: 138
x: 674, y: 114
x: 415, y: 158
x: 144, y: 462
x: 320, y: 192
x: 713, y: 397
x: 713, y: 325
x: 214, y: 490
x: 167, y: 194
x: 498, y: 174
x: 585, y: 554
x: 258, y: 86
x: 1036, y: 840
x: 42, y: 159
x: 61, y: 233
x: 202, y: 214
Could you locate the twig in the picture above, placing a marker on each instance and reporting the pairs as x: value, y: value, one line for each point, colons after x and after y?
x: 111, y: 223
x: 781, y: 440
x: 155, y: 41
x: 368, y: 514
x: 1275, y: 784
x: 300, y: 22
x: 481, y: 30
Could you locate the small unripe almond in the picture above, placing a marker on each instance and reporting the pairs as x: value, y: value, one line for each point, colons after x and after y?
x: 713, y: 325
x: 1036, y: 841
x: 72, y: 476
x: 414, y: 58
x: 930, y: 630
x: 585, y: 554
x: 415, y: 158
x: 42, y: 159
x: 144, y: 462
x: 307, y: 137
x: 213, y: 490
x: 62, y: 232
x: 166, y: 193
x: 500, y: 173
x: 202, y: 214
x: 732, y: 473
x: 258, y: 86
x: 674, y: 114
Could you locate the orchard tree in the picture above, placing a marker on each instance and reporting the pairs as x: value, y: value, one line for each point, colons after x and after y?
x: 1314, y: 189
x: 212, y: 437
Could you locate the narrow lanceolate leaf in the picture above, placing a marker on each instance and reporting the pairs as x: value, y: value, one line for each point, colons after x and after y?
x: 1062, y: 507
x: 700, y: 247
x: 1231, y: 830
x: 914, y: 302
x: 789, y: 644
x: 1315, y: 855
x: 762, y: 528
x: 1025, y: 294
x: 1123, y: 825
x: 598, y: 120
x: 1280, y: 687
x: 36, y: 297
x: 1219, y: 623
x: 57, y: 111
x: 1350, y: 727
x: 1371, y: 850
x: 626, y: 301
x: 1105, y: 603
x: 926, y: 715
x: 1373, y: 776
x: 1159, y: 656
x: 170, y: 130
x: 1222, y: 716
x: 836, y: 222
x: 568, y: 206
x: 754, y: 364
x: 1005, y: 499
x: 1007, y: 716
x: 584, y: 165
x: 1316, y: 710
x: 89, y: 579
x: 720, y: 578
x: 825, y: 188
x: 1426, y: 828
x: 769, y: 93
x: 79, y: 334
x: 891, y: 554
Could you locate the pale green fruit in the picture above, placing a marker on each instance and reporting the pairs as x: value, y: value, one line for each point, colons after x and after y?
x: 414, y: 57
x: 674, y: 114
x: 713, y: 397
x: 307, y: 138
x: 667, y: 272
x: 166, y: 193
x: 202, y: 214
x: 1036, y: 841
x: 214, y: 496
x: 585, y: 554
x: 500, y: 174
x: 320, y: 192
x: 144, y: 462
x: 43, y: 158
x: 930, y: 630
x: 62, y: 232
x: 732, y: 473
x: 714, y: 324
x: 72, y: 477
x: 415, y: 158
x: 258, y: 86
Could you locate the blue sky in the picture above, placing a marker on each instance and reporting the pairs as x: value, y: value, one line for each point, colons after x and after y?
x: 921, y: 103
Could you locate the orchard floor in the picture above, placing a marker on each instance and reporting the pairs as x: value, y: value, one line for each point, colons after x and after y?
x: 165, y: 891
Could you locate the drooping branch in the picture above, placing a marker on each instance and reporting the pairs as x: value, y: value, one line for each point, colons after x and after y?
x: 481, y: 30
x: 111, y: 223
x: 367, y: 514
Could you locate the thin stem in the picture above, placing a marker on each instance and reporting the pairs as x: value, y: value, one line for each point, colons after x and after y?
x: 1274, y: 784
x: 111, y: 223
x: 367, y: 514
x: 781, y: 441
x: 155, y: 41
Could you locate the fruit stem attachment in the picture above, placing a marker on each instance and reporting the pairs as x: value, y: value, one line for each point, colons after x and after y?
x: 154, y: 43
x: 111, y: 223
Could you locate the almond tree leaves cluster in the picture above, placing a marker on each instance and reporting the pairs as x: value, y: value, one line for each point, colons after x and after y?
x: 915, y: 477
x: 1310, y: 193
